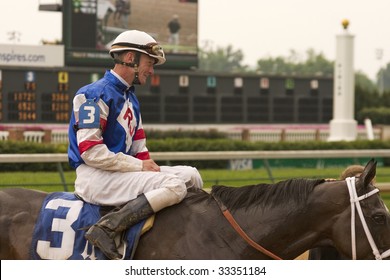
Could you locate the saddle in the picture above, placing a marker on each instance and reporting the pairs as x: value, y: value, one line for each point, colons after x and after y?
x: 61, y: 226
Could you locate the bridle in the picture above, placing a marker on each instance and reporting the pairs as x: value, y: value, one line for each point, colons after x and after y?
x: 355, y: 204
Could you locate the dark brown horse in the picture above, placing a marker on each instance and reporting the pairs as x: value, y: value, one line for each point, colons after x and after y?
x: 285, y: 219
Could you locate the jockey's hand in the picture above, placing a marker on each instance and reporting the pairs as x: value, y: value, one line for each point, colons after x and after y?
x: 150, y: 165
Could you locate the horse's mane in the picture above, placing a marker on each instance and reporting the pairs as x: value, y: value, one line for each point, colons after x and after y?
x: 263, y: 195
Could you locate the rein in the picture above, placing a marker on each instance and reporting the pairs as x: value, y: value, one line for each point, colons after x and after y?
x: 241, y: 232
x: 355, y: 205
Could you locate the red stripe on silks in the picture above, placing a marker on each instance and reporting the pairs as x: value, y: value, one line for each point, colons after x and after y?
x: 140, y: 134
x: 143, y: 155
x: 85, y: 145
x: 103, y: 124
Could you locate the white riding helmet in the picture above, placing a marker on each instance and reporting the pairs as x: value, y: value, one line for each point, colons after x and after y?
x: 138, y: 41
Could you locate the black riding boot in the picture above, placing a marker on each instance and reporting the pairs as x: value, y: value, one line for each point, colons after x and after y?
x: 103, y: 232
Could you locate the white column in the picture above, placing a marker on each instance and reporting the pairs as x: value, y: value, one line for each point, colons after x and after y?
x: 343, y: 126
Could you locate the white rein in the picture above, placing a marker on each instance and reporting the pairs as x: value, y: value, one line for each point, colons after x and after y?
x: 355, y: 202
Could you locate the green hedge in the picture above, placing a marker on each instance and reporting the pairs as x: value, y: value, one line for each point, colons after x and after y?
x: 185, y: 144
x: 15, y: 147
x: 192, y: 134
x: 190, y: 144
x: 378, y: 115
x: 236, y: 145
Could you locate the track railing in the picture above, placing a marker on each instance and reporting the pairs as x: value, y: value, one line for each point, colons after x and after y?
x: 60, y: 158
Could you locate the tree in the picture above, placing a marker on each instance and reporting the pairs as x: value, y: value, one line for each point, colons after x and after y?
x: 366, y: 94
x: 383, y: 78
x: 221, y: 59
x: 363, y: 81
x: 315, y: 64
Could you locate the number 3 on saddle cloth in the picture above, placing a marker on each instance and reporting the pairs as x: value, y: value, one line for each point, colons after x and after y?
x: 62, y: 223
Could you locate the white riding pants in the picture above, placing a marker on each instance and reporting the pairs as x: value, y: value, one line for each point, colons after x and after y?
x: 161, y: 189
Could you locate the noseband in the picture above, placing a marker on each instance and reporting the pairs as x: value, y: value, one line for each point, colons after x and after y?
x: 355, y: 204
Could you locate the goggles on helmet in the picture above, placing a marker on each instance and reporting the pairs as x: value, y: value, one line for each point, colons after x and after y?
x: 151, y: 48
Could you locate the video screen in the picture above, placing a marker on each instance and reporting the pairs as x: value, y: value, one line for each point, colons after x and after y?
x: 90, y: 26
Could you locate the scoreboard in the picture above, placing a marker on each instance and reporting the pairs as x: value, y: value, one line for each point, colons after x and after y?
x: 45, y: 95
x: 37, y: 96
x: 27, y: 105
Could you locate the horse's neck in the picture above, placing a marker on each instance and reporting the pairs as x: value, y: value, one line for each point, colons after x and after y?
x: 285, y: 232
x: 289, y: 230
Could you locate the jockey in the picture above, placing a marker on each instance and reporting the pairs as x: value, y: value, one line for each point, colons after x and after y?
x: 107, y: 145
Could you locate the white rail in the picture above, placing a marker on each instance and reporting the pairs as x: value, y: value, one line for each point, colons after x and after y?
x: 33, y: 136
x: 216, y: 155
x: 4, y: 135
x: 264, y: 135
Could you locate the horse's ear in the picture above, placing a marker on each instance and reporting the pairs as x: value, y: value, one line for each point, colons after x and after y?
x: 369, y: 172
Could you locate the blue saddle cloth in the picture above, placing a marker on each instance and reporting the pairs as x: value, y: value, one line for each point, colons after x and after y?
x: 61, y: 225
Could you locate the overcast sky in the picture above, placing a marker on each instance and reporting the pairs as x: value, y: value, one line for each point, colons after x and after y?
x: 259, y: 28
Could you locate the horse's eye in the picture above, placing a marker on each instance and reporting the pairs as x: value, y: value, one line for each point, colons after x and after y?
x: 379, y: 219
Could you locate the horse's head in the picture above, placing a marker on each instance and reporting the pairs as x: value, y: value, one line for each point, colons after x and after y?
x: 372, y: 225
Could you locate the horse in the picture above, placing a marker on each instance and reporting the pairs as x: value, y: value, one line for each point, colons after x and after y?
x: 263, y: 221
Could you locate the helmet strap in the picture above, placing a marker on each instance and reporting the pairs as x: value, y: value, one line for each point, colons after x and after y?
x: 136, y: 80
x: 136, y: 63
x: 133, y: 64
x: 117, y: 61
